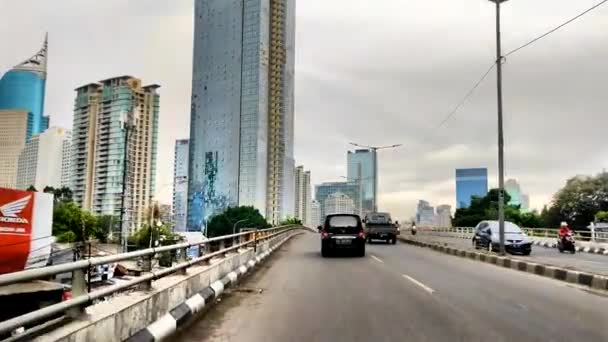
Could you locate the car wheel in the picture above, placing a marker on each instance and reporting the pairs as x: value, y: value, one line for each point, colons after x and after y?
x: 394, y: 241
x: 324, y: 252
x: 361, y: 253
x: 475, y: 244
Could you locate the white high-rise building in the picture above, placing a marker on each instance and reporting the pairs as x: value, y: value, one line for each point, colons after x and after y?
x: 242, y: 117
x: 180, y: 185
x: 339, y: 203
x: 315, y: 214
x: 303, y: 195
x: 444, y: 216
x: 45, y: 160
x: 425, y: 214
x: 114, y: 119
x: 13, y: 134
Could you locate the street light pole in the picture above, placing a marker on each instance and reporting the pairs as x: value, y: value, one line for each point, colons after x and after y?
x: 236, y: 224
x: 501, y: 157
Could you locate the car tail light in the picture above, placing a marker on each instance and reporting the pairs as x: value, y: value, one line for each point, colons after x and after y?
x: 324, y: 235
x: 361, y: 235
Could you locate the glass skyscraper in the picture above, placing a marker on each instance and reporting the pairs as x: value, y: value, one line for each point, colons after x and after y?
x: 470, y: 182
x: 180, y: 185
x: 364, y: 160
x: 23, y: 88
x: 242, y: 115
x: 324, y: 190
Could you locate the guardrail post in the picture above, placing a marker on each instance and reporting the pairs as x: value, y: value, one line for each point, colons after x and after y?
x: 146, y: 267
x: 183, y: 257
x: 222, y: 246
x: 255, y: 241
x: 79, y: 288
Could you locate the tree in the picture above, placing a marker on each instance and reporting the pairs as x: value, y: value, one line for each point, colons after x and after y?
x: 32, y: 188
x: 291, y: 221
x: 222, y: 224
x: 580, y: 199
x: 601, y: 216
x: 105, y: 225
x: 63, y: 194
x: 73, y: 224
x: 163, y: 234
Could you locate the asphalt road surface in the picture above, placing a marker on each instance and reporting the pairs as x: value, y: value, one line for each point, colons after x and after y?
x: 581, y: 261
x: 397, y: 293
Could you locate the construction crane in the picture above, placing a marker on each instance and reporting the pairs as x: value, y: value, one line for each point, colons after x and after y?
x: 375, y: 149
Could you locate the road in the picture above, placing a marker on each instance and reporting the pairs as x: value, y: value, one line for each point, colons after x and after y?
x: 587, y: 262
x: 397, y: 293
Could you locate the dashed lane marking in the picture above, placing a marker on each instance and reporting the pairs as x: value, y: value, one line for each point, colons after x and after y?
x: 424, y: 287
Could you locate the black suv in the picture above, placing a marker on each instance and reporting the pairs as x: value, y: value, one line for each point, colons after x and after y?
x: 342, y: 232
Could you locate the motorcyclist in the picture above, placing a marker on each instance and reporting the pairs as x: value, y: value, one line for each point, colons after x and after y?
x: 564, y: 230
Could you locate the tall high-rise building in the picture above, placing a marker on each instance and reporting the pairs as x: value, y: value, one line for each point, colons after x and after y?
x: 13, y: 133
x: 324, y: 190
x: 23, y: 88
x: 425, y: 214
x: 444, y: 216
x: 242, y: 114
x: 525, y: 202
x: 303, y: 195
x: 114, y: 119
x: 362, y: 168
x: 513, y: 188
x: 338, y: 203
x: 470, y: 182
x: 315, y: 214
x: 43, y: 163
x: 180, y: 185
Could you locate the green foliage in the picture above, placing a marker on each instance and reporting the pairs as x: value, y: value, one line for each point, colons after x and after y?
x: 486, y: 208
x: 580, y: 199
x: 290, y: 221
x: 222, y: 224
x: 105, y: 224
x: 74, y: 224
x: 162, y: 234
x: 32, y: 188
x: 601, y: 216
x: 62, y: 195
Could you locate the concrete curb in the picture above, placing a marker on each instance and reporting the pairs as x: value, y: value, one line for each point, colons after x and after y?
x: 182, y: 314
x: 591, y: 280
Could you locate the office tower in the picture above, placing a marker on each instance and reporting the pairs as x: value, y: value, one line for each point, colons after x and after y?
x: 242, y: 113
x: 322, y: 192
x: 23, y: 88
x: 525, y: 202
x: 13, y: 133
x: 362, y: 168
x: 43, y: 163
x: 303, y: 194
x: 425, y: 214
x: 470, y: 182
x: 115, y: 137
x: 315, y: 214
x: 166, y: 214
x: 180, y: 185
x: 513, y: 188
x: 444, y: 216
x: 339, y: 203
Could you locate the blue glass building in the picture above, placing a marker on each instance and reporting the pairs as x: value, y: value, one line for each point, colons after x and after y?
x: 364, y: 161
x: 241, y: 120
x: 23, y: 88
x: 470, y: 182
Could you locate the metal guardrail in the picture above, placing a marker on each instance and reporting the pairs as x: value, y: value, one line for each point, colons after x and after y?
x: 598, y: 237
x: 80, y: 298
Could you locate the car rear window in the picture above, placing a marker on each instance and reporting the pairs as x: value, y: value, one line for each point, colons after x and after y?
x: 343, y: 221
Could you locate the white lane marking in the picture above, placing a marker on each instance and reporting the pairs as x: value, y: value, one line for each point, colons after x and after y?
x: 377, y: 259
x: 424, y: 287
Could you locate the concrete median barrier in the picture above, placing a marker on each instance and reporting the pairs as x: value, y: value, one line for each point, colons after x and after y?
x: 590, y: 280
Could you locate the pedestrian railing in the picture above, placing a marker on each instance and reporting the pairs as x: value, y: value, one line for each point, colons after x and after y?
x: 75, y: 306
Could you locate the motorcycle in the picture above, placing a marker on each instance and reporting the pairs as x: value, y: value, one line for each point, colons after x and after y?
x: 566, y: 243
x: 414, y: 230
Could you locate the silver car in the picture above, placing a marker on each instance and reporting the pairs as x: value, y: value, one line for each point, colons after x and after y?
x: 516, y: 241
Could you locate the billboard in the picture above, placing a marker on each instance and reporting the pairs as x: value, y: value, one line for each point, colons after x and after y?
x: 26, y: 220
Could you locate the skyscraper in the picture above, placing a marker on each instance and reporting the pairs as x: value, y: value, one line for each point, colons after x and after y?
x: 425, y: 214
x: 361, y: 168
x: 303, y: 195
x: 444, y: 216
x: 324, y: 190
x: 180, y: 185
x: 43, y: 163
x: 470, y: 182
x: 315, y: 214
x: 339, y: 203
x: 242, y: 114
x: 115, y: 119
x: 13, y: 129
x: 514, y: 190
x: 23, y: 88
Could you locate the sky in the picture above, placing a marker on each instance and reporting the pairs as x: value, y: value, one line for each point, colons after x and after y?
x: 373, y: 72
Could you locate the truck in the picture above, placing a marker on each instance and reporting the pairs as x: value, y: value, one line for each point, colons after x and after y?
x: 380, y: 226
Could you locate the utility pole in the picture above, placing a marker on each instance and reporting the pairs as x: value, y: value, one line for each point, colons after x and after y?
x: 501, y: 156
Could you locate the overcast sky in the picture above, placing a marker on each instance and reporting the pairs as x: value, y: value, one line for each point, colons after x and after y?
x: 375, y: 72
